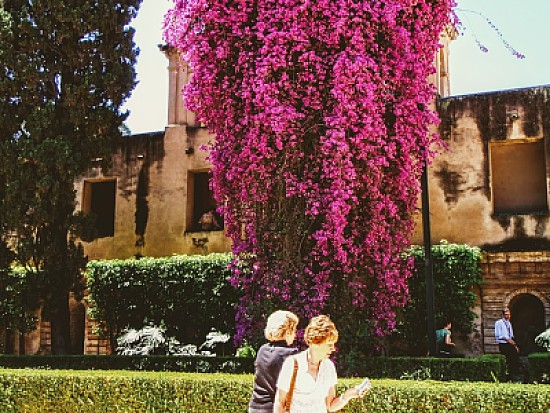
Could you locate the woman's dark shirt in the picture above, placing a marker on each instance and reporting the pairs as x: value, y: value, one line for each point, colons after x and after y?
x: 269, y: 360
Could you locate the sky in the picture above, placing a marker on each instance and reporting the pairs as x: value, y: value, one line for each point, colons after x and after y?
x: 525, y: 28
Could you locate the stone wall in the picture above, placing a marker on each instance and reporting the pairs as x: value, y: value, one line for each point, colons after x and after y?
x: 507, y: 276
x: 485, y: 158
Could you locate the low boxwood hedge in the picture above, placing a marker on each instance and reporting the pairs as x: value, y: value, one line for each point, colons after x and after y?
x: 484, y: 368
x: 539, y: 367
x: 61, y: 391
x: 202, y: 364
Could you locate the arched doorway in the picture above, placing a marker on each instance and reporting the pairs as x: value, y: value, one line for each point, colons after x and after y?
x: 527, y: 321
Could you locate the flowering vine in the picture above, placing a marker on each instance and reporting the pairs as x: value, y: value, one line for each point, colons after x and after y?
x: 461, y: 29
x: 321, y: 112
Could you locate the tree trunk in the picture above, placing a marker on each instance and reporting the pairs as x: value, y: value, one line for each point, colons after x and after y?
x: 9, y: 345
x: 60, y: 323
x: 22, y: 340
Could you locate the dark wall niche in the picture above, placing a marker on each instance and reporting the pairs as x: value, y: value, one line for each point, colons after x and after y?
x: 519, y: 227
x: 519, y: 245
x: 503, y: 220
x: 450, y: 181
x: 542, y: 224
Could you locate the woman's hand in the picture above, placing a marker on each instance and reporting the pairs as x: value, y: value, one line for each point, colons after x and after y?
x: 355, y: 393
x: 337, y: 403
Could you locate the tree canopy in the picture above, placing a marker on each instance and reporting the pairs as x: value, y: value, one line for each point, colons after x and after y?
x: 68, y: 66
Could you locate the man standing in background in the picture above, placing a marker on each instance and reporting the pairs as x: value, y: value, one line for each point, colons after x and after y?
x: 504, y: 334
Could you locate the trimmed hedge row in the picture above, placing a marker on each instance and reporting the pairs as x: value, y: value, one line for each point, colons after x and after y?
x: 202, y: 364
x: 189, y: 295
x: 61, y: 391
x: 539, y: 367
x: 484, y: 368
x: 77, y: 391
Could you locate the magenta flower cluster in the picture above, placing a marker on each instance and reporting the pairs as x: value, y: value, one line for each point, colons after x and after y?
x: 321, y: 112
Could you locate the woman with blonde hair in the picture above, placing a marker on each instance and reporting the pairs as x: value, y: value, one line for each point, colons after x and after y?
x: 280, y: 333
x: 314, y: 386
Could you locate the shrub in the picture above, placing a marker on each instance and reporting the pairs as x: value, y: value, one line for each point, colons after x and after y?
x: 19, y: 298
x: 189, y: 295
x: 136, y: 392
x: 539, y: 367
x: 197, y: 363
x: 245, y: 350
x: 543, y: 340
x: 150, y: 340
x: 456, y: 273
x: 485, y: 368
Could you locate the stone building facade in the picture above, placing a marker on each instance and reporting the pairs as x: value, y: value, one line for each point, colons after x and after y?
x: 488, y: 187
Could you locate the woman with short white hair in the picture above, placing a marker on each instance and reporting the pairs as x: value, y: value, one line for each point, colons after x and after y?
x: 280, y: 332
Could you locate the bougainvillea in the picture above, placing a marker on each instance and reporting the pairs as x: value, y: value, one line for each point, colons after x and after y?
x: 321, y: 112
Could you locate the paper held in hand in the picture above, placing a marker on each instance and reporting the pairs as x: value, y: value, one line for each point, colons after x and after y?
x: 365, y: 385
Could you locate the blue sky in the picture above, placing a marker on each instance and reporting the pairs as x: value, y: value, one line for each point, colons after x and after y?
x: 524, y: 27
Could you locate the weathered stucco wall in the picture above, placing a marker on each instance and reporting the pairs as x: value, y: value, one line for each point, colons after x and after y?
x: 151, y: 200
x: 460, y: 182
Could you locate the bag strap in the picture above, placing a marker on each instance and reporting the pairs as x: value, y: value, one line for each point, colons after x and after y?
x: 288, y: 399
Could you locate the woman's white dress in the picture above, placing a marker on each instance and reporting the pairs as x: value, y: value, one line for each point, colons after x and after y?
x: 309, y: 394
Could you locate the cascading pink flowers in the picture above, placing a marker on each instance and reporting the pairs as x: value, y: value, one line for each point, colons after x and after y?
x: 321, y: 112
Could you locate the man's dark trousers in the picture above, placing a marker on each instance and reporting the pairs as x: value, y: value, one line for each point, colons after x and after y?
x: 512, y: 359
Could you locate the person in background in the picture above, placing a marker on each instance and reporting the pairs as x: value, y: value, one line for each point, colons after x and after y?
x: 280, y: 332
x: 209, y: 221
x: 504, y: 334
x: 316, y: 379
x: 443, y: 339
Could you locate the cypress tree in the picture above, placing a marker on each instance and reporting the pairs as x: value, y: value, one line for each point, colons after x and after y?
x: 68, y: 66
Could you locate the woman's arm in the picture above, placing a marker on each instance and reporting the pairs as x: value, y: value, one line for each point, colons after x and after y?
x: 336, y: 403
x: 448, y: 340
x: 280, y: 397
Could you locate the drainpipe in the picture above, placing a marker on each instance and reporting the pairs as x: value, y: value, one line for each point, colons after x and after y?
x: 428, y: 262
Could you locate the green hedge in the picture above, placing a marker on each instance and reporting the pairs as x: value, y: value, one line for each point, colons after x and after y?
x: 97, y: 392
x: 539, y: 367
x: 189, y: 295
x: 456, y: 276
x: 201, y: 364
x: 485, y: 368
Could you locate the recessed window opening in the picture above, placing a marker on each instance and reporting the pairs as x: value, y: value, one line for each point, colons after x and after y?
x: 518, y: 177
x: 99, y: 199
x: 202, y: 215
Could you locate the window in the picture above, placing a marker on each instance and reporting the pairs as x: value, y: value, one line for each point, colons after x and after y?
x: 99, y: 199
x: 201, y: 206
x: 518, y: 177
